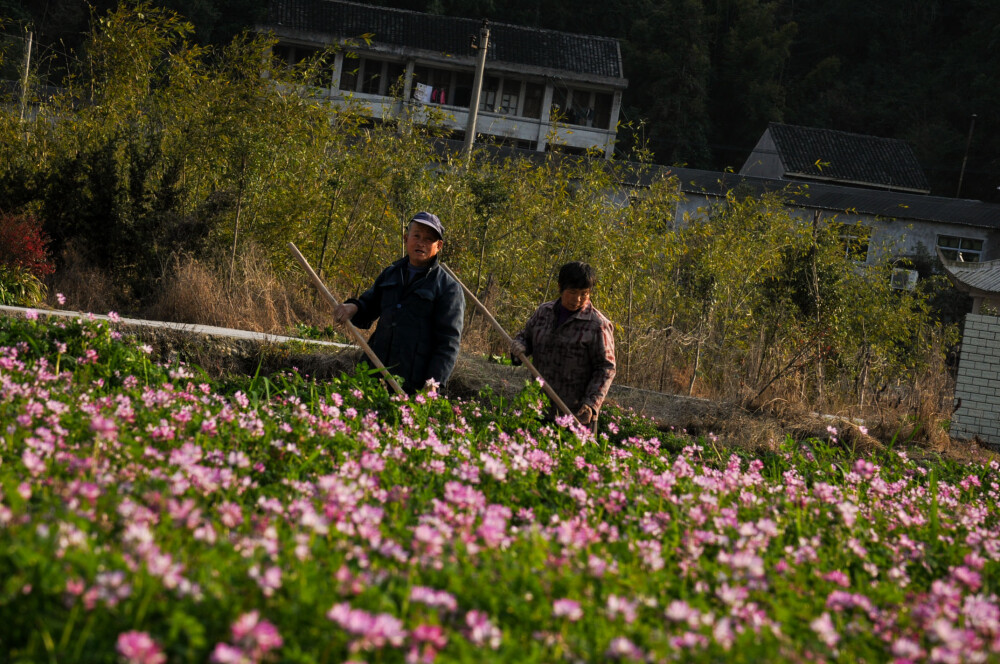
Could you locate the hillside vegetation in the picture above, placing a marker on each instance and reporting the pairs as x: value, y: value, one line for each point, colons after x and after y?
x: 706, y: 76
x: 168, y: 178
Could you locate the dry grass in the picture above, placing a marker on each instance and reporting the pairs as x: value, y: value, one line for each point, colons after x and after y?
x: 85, y: 287
x: 254, y: 298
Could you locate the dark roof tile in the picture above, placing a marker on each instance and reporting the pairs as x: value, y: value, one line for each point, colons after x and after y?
x: 848, y: 158
x: 517, y: 45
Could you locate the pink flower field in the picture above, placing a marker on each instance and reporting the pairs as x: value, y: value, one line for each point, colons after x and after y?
x: 150, y: 514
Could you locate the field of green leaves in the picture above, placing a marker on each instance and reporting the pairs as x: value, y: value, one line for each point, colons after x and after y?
x: 150, y: 514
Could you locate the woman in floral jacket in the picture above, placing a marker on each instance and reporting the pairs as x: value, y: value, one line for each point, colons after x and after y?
x: 572, y: 344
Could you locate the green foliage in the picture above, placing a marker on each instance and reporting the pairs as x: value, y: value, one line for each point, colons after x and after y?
x: 164, y: 147
x: 19, y: 287
x: 690, y: 62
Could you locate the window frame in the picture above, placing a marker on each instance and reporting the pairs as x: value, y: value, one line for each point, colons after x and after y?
x: 961, y: 252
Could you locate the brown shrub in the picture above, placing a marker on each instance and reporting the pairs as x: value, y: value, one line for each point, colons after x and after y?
x: 253, y: 298
x: 85, y: 287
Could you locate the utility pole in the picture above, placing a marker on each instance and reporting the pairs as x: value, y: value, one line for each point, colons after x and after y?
x: 965, y: 158
x: 24, y: 80
x: 481, y: 45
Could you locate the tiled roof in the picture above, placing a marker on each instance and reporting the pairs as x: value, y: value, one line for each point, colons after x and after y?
x: 848, y: 158
x: 517, y: 45
x: 983, y: 276
x: 834, y: 198
x: 840, y: 199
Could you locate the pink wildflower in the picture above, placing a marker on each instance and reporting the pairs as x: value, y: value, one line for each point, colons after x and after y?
x: 428, y: 640
x: 104, y: 427
x: 227, y: 654
x: 824, y: 628
x: 139, y: 648
x: 621, y: 606
x: 681, y: 611
x: 230, y: 514
x: 567, y: 608
x: 905, y: 648
x: 256, y: 636
x: 482, y: 632
x: 866, y: 469
x: 375, y: 630
x: 849, y: 511
x: 621, y: 648
x: 838, y: 577
x: 434, y: 598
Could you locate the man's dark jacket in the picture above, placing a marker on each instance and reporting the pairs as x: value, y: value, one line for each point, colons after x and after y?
x: 419, y: 324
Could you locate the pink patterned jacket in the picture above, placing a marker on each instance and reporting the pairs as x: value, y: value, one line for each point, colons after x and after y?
x: 577, y: 358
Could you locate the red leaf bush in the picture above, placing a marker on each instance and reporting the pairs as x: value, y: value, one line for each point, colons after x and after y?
x: 24, y: 245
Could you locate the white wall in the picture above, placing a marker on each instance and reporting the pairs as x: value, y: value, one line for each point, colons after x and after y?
x: 893, y: 236
x: 978, y: 382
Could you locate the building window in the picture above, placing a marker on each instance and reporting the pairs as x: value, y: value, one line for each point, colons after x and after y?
x: 489, y: 95
x: 855, y: 239
x: 582, y: 107
x: 561, y: 111
x: 371, y: 78
x: 439, y: 85
x: 284, y: 53
x: 509, y: 97
x: 533, y: 93
x: 602, y: 110
x: 301, y: 53
x: 957, y: 248
x: 293, y: 56
x: 393, y: 73
x: 349, y: 74
x: 463, y: 90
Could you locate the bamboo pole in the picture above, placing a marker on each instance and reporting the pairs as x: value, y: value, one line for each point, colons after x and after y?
x: 350, y: 326
x: 521, y: 356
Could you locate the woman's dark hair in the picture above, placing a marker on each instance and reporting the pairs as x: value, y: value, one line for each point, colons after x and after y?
x: 576, y: 275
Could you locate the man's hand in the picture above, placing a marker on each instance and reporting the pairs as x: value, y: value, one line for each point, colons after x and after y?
x: 344, y: 312
x: 585, y: 414
x: 517, y: 349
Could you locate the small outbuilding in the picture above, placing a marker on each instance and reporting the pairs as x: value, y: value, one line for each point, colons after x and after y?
x: 981, y: 280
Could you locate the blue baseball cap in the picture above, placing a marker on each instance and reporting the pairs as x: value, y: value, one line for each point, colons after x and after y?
x: 428, y: 219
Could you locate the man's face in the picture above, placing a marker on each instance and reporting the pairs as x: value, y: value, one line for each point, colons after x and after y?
x: 422, y: 245
x: 574, y: 298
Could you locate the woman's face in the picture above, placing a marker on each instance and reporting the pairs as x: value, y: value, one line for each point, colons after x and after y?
x: 573, y: 299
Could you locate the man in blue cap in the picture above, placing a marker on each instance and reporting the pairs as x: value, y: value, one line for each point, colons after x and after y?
x: 420, y: 309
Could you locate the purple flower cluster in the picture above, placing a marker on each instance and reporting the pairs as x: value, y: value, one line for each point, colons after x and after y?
x: 419, y: 529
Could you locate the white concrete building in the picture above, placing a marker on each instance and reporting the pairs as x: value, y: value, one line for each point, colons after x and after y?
x: 541, y: 88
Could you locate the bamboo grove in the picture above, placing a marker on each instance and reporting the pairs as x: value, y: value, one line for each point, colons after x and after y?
x: 156, y: 148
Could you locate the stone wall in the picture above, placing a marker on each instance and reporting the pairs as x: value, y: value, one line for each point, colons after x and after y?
x: 978, y: 382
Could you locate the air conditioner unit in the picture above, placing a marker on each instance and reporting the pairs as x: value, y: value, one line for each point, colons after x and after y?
x: 903, y: 279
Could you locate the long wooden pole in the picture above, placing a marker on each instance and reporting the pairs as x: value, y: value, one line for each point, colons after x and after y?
x: 350, y: 326
x: 521, y: 356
